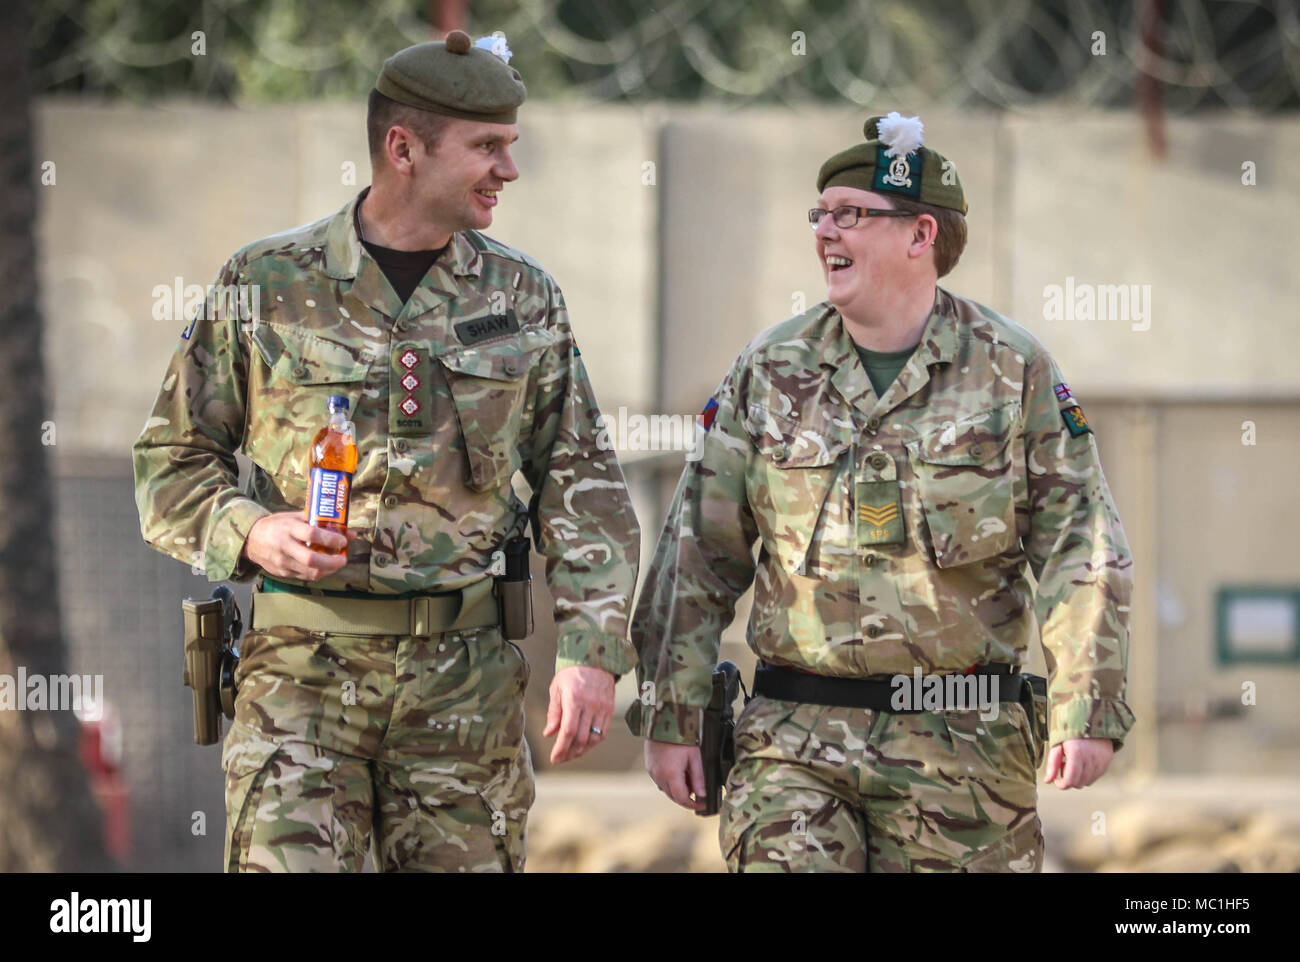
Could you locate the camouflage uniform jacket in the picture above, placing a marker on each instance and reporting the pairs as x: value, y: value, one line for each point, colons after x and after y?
x: 484, y: 351
x: 893, y: 532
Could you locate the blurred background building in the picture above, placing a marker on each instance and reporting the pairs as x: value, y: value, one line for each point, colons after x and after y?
x: 667, y: 155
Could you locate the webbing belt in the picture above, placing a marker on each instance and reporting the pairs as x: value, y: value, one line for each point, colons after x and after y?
x: 420, y: 617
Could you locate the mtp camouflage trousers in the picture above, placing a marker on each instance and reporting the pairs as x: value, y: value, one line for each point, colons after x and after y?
x: 826, y: 789
x: 419, y: 739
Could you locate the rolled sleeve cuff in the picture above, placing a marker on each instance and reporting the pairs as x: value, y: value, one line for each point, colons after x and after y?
x: 667, y: 722
x: 1084, y: 717
x: 613, y: 653
x: 222, y: 555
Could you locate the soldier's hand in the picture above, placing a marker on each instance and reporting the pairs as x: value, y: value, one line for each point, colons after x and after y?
x: 278, y: 543
x: 1084, y: 761
x: 678, y: 770
x: 581, y: 698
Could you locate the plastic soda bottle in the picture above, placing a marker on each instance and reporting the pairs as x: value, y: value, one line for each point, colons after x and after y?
x: 333, y: 459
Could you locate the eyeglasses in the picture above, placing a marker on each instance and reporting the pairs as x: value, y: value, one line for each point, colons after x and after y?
x: 846, y: 217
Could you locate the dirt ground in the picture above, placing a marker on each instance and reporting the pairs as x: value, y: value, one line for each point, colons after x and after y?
x: 621, y: 823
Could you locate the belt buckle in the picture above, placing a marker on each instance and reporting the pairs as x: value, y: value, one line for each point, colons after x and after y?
x: 421, y: 616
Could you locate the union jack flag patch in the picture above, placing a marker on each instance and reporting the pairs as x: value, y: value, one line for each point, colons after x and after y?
x: 709, y: 413
x: 1063, y: 392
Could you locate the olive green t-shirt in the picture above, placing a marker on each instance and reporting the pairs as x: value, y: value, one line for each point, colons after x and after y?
x: 883, y: 366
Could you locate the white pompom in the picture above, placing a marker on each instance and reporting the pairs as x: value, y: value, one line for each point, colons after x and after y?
x: 495, y: 44
x: 902, y: 135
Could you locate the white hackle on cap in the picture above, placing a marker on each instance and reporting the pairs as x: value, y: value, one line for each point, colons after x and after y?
x: 902, y: 135
x: 495, y: 44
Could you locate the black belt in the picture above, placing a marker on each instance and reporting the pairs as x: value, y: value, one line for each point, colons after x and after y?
x: 790, y: 684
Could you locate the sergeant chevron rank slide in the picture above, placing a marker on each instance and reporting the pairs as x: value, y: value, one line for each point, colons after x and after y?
x: 879, y: 513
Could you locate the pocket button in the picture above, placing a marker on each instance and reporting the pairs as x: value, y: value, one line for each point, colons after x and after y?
x: 878, y: 461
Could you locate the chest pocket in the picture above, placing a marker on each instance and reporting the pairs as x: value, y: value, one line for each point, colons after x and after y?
x: 798, y: 485
x: 489, y: 389
x: 966, y: 484
x: 292, y: 373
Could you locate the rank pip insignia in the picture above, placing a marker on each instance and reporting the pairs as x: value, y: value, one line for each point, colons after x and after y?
x: 411, y: 393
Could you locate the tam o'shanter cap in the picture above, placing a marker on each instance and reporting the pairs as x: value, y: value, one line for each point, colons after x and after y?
x: 894, y: 161
x: 456, y: 78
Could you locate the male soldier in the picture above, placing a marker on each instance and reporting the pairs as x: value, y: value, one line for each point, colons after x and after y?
x: 385, y: 693
x: 902, y: 455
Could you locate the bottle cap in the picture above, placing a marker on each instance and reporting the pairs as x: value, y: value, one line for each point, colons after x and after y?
x: 338, y: 403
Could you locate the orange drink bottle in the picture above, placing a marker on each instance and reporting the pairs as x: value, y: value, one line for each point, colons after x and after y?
x: 333, y: 459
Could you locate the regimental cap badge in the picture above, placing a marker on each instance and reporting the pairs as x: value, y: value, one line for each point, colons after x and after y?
x: 899, y: 137
x: 895, y: 160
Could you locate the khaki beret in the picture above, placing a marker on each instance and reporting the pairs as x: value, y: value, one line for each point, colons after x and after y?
x: 893, y: 161
x: 454, y: 78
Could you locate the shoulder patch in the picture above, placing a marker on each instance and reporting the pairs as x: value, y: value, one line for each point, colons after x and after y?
x: 1075, y: 421
x: 709, y: 413
x: 1063, y: 392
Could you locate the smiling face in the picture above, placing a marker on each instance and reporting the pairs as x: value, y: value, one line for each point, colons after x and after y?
x: 456, y: 185
x: 873, y: 256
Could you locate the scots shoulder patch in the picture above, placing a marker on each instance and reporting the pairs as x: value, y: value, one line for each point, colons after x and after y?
x: 1075, y: 421
x: 1063, y: 392
x: 709, y: 413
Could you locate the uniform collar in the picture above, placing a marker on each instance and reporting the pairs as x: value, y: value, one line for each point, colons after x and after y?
x: 347, y: 260
x: 938, y: 344
x: 939, y: 339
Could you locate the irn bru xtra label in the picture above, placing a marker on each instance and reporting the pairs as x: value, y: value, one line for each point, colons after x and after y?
x: 328, y: 500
